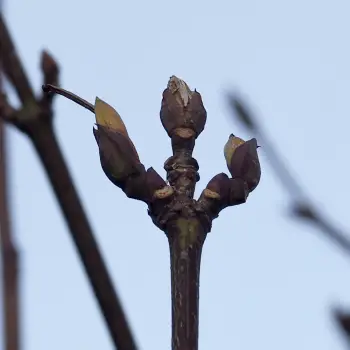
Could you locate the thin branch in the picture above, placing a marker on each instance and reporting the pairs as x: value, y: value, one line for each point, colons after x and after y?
x: 302, y: 205
x: 9, y: 256
x: 35, y: 119
x: 12, y: 66
x: 49, y: 152
x: 49, y: 89
x: 247, y: 118
x: 342, y: 320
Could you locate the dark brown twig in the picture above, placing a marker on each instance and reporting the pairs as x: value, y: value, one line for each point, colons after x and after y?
x: 302, y: 206
x: 343, y: 321
x: 12, y: 66
x: 35, y: 120
x: 9, y: 255
x: 49, y: 89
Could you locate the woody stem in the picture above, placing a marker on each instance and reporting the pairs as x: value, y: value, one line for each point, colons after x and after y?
x: 48, y: 88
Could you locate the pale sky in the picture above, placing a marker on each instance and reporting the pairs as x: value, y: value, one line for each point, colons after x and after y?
x: 267, y: 282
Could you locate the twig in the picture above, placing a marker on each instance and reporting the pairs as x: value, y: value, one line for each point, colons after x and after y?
x: 343, y: 321
x: 48, y: 88
x: 12, y: 66
x: 302, y: 206
x: 9, y: 253
x: 9, y: 256
x: 250, y: 122
x: 37, y: 124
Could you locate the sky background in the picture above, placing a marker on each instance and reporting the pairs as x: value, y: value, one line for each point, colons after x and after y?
x: 267, y: 282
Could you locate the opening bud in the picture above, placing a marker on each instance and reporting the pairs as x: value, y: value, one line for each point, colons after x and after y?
x: 243, y: 161
x: 118, y: 155
x: 182, y: 108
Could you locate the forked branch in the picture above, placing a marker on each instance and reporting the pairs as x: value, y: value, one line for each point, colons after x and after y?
x: 172, y: 208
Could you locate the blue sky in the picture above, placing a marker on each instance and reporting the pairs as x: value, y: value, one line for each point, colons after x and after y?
x: 267, y: 282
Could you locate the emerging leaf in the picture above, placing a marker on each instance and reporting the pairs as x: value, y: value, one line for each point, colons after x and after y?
x: 118, y: 155
x: 107, y: 116
x: 245, y: 164
x: 180, y: 89
x: 231, y: 146
x: 182, y: 108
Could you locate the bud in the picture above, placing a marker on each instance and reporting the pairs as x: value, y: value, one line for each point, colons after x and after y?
x: 147, y: 186
x: 182, y: 108
x: 107, y: 116
x: 231, y: 145
x: 227, y: 191
x: 118, y: 156
x: 243, y: 161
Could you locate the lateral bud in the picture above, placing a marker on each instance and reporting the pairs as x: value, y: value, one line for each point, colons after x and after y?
x: 182, y: 109
x: 243, y: 161
x: 118, y: 155
x: 222, y: 192
x: 227, y: 191
x: 147, y: 186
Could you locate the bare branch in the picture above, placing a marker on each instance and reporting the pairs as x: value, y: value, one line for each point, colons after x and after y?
x: 342, y: 319
x: 35, y: 119
x: 12, y: 65
x: 48, y: 88
x: 302, y: 206
x: 9, y: 254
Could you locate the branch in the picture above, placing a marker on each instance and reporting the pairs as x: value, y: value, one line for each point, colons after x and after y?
x: 13, y: 67
x: 183, y: 117
x: 302, y: 206
x: 49, y: 89
x: 119, y: 158
x: 220, y: 193
x: 185, y: 221
x: 343, y: 321
x: 9, y: 255
x: 35, y: 120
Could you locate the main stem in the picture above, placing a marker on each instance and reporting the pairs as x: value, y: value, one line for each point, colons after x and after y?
x: 186, y: 237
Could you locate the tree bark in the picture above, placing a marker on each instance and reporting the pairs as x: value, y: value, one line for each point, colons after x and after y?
x: 186, y: 237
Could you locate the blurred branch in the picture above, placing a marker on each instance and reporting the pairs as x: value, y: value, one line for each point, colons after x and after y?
x: 343, y: 321
x: 12, y: 66
x: 302, y: 207
x: 9, y: 255
x: 35, y: 119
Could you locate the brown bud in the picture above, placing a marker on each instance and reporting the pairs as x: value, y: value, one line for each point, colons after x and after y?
x: 218, y: 187
x: 227, y: 191
x: 119, y: 159
x: 50, y: 68
x: 118, y: 155
x: 243, y: 161
x: 154, y: 181
x: 182, y: 108
x: 222, y: 192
